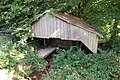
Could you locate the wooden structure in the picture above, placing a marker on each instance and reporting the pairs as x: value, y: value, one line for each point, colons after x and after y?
x: 66, y: 27
x: 45, y: 52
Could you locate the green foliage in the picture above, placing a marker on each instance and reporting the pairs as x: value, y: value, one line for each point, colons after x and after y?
x: 9, y: 56
x: 73, y: 64
x: 17, y: 16
x: 99, y: 13
x: 25, y: 72
x: 37, y: 63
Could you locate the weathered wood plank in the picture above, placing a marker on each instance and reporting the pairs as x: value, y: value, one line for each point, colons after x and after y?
x: 46, y: 52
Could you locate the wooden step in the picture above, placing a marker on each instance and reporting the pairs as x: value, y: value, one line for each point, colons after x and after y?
x: 46, y: 52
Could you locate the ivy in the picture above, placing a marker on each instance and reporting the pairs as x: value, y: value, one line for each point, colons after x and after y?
x: 73, y: 64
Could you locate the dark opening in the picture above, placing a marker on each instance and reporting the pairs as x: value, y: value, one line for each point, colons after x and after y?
x: 56, y: 42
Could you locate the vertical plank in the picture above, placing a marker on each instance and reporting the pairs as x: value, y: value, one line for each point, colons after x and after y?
x: 39, y: 28
x: 45, y: 26
x: 61, y: 30
x: 42, y: 27
x: 58, y: 27
x: 65, y: 28
x: 69, y: 31
x: 51, y: 26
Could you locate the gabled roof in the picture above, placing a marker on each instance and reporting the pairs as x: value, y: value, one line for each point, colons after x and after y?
x: 73, y: 20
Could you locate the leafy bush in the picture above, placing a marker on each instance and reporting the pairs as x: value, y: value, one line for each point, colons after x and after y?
x: 73, y: 64
x: 12, y: 54
x: 9, y: 56
x: 37, y: 63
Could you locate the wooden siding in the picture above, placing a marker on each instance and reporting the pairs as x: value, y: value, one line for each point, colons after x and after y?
x: 50, y: 26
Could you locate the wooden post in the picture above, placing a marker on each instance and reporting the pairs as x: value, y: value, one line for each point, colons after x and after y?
x: 45, y: 43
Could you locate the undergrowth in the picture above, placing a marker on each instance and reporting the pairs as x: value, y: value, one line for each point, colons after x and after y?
x: 12, y: 55
x: 73, y: 64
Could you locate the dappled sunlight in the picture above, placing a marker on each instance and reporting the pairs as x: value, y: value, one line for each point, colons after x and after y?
x: 4, y: 75
x: 118, y: 26
x: 119, y: 34
x: 56, y: 33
